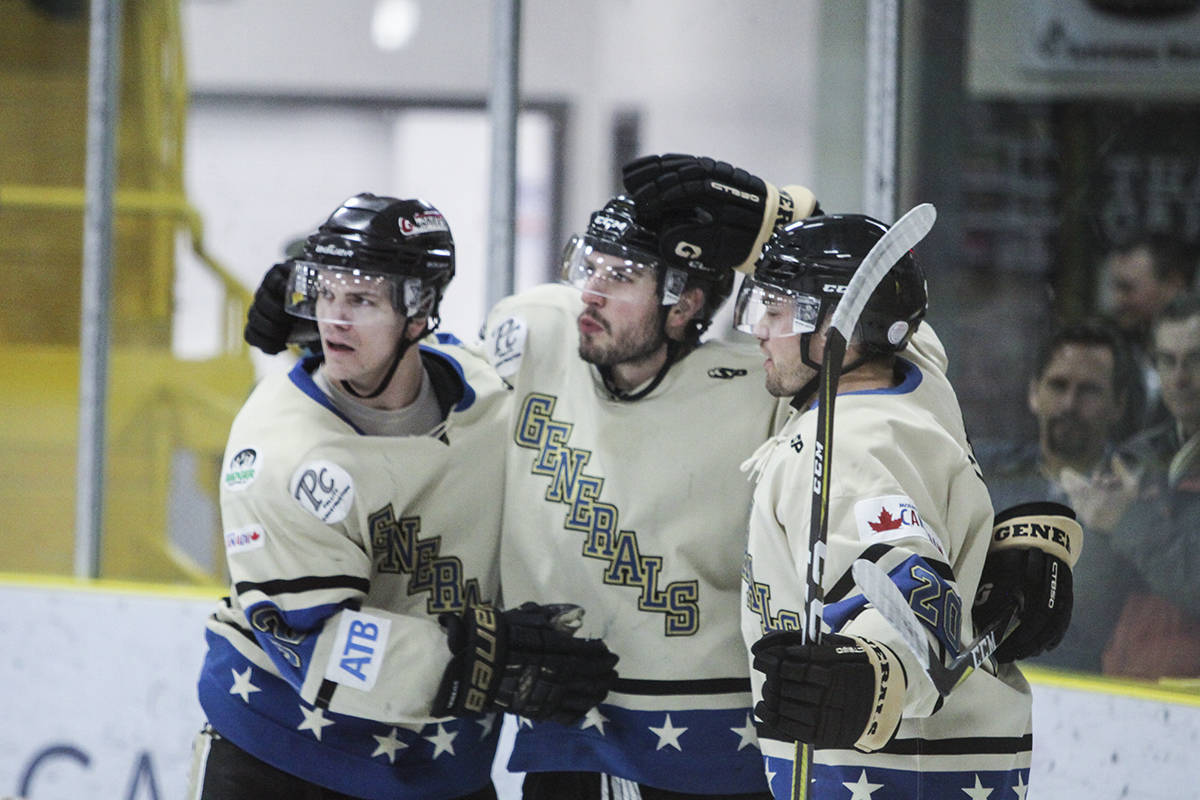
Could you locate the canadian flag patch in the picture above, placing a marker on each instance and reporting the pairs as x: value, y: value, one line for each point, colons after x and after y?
x: 891, y: 517
x: 250, y: 537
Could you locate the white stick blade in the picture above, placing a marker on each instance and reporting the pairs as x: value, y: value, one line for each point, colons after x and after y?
x: 895, y: 242
x: 880, y: 592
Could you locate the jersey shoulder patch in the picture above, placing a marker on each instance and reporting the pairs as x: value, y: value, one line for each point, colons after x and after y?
x: 242, y: 468
x: 892, y: 517
x: 505, y: 345
x: 323, y: 489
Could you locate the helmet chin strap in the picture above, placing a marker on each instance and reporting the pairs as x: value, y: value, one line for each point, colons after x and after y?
x: 804, y: 396
x: 401, y: 349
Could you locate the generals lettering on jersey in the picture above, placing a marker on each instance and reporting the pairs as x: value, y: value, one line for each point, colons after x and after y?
x: 397, y: 548
x: 604, y: 539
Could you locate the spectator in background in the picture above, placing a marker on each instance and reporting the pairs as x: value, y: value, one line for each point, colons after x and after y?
x: 1142, y: 276
x: 1081, y: 384
x: 1148, y: 508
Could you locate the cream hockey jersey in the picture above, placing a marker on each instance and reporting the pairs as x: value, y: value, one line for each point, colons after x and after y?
x: 637, y: 512
x: 343, y: 549
x: 906, y: 493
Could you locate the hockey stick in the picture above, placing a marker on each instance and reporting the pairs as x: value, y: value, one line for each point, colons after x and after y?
x: 895, y: 242
x: 889, y: 601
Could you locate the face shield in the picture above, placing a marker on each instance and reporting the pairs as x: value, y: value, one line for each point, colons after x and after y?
x: 353, y: 297
x: 616, y: 272
x: 771, y: 312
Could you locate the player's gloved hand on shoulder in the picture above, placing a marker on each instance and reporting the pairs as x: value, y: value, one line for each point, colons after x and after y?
x: 269, y: 327
x: 1028, y: 566
x: 844, y: 692
x: 710, y: 210
x: 525, y: 661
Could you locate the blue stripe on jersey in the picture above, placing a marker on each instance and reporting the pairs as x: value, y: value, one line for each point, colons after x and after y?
x: 262, y: 715
x: 301, y: 375
x: 858, y: 781
x: 932, y: 598
x: 701, y: 752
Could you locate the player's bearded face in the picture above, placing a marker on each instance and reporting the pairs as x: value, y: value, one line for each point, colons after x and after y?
x: 621, y: 329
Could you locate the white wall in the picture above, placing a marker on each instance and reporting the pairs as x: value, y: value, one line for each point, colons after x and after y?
x: 738, y: 81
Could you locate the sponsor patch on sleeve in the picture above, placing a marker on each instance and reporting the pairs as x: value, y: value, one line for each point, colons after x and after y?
x: 883, y: 519
x: 242, y: 469
x: 250, y: 537
x: 358, y: 650
x: 324, y: 490
x: 506, y: 346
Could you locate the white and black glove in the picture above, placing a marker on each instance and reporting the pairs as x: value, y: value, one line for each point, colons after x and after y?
x: 1028, y: 566
x: 710, y: 210
x: 525, y: 661
x: 844, y: 692
x: 269, y: 327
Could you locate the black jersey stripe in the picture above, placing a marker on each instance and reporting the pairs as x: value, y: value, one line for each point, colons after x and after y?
x: 308, y: 584
x: 845, y: 584
x: 703, y: 686
x: 966, y: 746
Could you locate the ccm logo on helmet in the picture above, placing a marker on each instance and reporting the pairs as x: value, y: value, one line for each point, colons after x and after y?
x: 610, y: 223
x: 833, y: 288
x: 423, y: 223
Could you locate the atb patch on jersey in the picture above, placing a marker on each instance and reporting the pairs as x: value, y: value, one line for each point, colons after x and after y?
x: 242, y: 469
x: 358, y: 650
x: 506, y: 346
x: 324, y: 490
x: 892, y: 517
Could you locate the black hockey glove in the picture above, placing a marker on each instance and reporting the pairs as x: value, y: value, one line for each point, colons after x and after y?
x: 843, y: 692
x: 710, y: 210
x: 1028, y: 566
x: 268, y: 326
x: 524, y: 661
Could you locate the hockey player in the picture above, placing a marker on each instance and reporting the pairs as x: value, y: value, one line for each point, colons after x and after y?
x: 623, y: 493
x: 906, y: 494
x: 361, y: 653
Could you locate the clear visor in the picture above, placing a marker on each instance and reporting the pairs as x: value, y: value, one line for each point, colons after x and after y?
x: 769, y: 311
x: 354, y: 297
x: 612, y: 272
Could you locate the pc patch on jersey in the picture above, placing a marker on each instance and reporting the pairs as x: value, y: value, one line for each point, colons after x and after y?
x: 892, y: 517
x: 506, y: 345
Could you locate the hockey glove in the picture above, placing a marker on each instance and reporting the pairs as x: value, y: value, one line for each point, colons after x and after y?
x: 268, y: 326
x: 710, y: 210
x: 844, y: 692
x: 524, y: 661
x: 1028, y: 567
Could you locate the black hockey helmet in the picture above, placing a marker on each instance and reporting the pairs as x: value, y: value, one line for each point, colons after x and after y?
x: 618, y: 244
x: 805, y: 267
x: 407, y: 243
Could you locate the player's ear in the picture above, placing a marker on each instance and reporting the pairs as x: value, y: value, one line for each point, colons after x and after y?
x: 416, y: 327
x: 690, y: 303
x: 1031, y: 396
